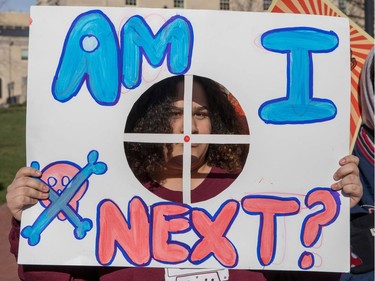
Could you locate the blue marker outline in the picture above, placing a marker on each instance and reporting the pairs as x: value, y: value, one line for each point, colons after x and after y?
x: 298, y: 107
x: 174, y: 40
x: 33, y: 232
x: 338, y: 205
x: 129, y: 224
x: 103, y: 75
x: 261, y: 219
x: 213, y: 218
x: 170, y: 241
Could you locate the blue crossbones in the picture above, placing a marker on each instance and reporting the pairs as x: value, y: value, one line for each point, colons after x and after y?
x: 60, y: 203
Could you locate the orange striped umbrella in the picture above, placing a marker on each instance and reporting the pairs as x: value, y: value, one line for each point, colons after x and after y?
x: 360, y: 46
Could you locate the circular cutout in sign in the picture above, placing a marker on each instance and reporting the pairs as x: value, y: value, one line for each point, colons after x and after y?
x: 186, y: 139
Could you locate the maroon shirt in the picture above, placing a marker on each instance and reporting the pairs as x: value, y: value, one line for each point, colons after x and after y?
x: 215, y: 182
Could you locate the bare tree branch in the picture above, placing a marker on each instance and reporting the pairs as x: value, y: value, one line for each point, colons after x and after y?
x: 50, y: 2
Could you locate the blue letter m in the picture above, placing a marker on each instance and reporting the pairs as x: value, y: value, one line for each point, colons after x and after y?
x: 174, y: 38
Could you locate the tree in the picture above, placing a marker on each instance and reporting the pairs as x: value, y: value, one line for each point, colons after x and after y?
x: 49, y: 2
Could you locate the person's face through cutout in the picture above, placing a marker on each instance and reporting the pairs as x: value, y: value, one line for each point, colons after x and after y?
x: 201, y: 124
x: 160, y: 166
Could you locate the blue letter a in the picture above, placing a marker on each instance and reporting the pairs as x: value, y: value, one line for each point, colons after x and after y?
x: 91, y: 54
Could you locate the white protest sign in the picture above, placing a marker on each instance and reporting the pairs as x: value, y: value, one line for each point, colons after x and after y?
x: 288, y: 73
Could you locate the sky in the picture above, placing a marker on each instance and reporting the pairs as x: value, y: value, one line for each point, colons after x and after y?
x: 16, y: 5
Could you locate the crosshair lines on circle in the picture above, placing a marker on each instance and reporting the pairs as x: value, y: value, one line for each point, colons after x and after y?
x: 187, y: 139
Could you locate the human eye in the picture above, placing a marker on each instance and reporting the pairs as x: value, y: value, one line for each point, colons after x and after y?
x: 176, y: 113
x: 201, y: 114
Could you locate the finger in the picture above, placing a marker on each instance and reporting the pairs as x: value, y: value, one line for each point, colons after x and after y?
x: 345, y: 170
x: 33, y: 193
x: 25, y: 201
x: 17, y: 204
x: 22, y: 195
x: 349, y: 159
x: 28, y: 182
x: 354, y: 192
x: 28, y: 172
x: 21, y: 198
x: 348, y: 179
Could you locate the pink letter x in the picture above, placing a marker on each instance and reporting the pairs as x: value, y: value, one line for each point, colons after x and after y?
x: 212, y: 233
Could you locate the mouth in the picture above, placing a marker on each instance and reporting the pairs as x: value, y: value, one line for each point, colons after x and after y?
x: 195, y: 145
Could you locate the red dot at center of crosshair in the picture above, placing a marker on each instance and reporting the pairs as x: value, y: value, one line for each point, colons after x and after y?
x: 186, y: 138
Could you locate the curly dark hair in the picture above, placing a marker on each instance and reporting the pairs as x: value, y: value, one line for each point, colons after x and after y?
x: 152, y: 114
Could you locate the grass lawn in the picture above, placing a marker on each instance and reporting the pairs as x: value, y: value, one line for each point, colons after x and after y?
x: 12, y: 145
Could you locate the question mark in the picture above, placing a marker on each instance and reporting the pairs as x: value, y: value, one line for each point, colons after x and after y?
x: 313, y: 224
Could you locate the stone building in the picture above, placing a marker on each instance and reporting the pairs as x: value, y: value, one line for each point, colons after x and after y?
x: 14, y: 40
x: 254, y: 5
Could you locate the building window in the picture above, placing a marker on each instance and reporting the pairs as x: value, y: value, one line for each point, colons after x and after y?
x: 179, y: 3
x: 224, y: 4
x: 24, y: 54
x: 131, y: 2
x: 24, y: 86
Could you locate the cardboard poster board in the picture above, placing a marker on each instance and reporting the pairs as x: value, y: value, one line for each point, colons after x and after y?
x: 288, y: 73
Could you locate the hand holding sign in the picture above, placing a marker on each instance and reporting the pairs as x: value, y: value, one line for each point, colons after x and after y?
x: 60, y: 203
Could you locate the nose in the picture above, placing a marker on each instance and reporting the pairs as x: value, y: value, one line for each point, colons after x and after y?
x: 194, y: 127
x: 178, y: 126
